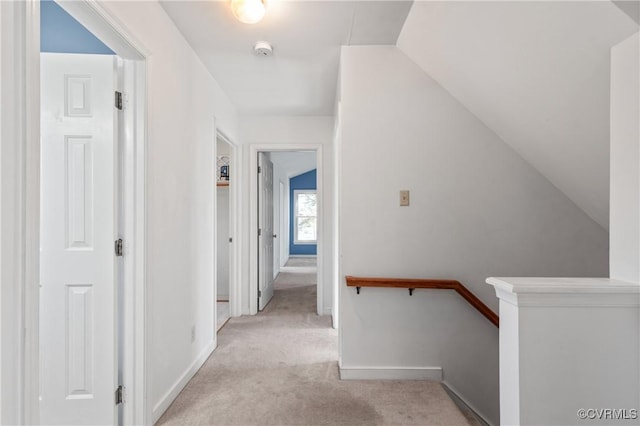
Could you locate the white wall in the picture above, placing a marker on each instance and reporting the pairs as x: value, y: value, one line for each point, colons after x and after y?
x: 625, y: 161
x: 477, y: 210
x: 183, y: 101
x: 282, y: 130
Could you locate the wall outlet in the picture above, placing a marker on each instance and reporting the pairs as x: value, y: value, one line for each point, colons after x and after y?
x: 193, y: 333
x: 404, y: 197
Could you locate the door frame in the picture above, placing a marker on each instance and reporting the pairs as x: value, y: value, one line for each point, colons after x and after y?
x: 282, y: 226
x: 25, y: 33
x: 253, y: 218
x: 235, y: 299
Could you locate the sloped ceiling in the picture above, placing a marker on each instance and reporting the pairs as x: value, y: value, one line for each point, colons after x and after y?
x: 537, y: 74
x: 293, y: 163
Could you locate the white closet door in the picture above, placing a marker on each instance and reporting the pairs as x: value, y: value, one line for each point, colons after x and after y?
x: 77, y: 297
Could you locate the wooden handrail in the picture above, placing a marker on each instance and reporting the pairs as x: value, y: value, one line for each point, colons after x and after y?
x: 411, y: 284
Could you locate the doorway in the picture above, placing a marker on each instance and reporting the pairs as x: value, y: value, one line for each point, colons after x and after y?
x: 284, y: 225
x: 225, y: 184
x: 91, y: 300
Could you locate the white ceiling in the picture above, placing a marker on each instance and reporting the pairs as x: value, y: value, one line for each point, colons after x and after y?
x: 537, y: 74
x: 293, y: 163
x: 300, y: 78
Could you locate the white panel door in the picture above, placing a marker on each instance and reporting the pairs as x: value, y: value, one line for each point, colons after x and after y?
x: 265, y: 225
x: 77, y: 259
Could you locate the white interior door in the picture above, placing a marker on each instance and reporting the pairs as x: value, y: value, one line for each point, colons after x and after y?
x: 265, y: 233
x: 77, y: 262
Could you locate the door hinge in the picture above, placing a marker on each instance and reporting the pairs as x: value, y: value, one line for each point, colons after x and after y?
x: 230, y: 239
x: 259, y: 169
x: 118, y: 247
x: 119, y: 100
x: 259, y: 293
x: 119, y: 395
x: 259, y: 232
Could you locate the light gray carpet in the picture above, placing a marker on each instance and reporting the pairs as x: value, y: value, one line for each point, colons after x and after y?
x: 279, y: 368
x: 301, y: 261
x: 287, y: 280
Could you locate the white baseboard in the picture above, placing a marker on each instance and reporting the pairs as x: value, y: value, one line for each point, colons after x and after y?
x: 327, y: 311
x: 459, y: 400
x: 391, y: 373
x: 172, y: 393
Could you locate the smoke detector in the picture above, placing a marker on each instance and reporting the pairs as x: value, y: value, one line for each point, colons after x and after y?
x: 263, y: 48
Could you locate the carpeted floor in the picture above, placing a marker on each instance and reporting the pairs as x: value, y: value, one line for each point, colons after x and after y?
x: 280, y: 368
x: 287, y: 280
x: 302, y: 261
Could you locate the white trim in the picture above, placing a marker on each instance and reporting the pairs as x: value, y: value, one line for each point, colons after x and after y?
x: 335, y: 231
x: 136, y: 296
x: 566, y: 292
x: 391, y: 373
x: 254, y: 149
x: 178, y: 386
x: 19, y: 208
x: 105, y: 27
x: 32, y: 215
x: 454, y: 394
x: 544, y: 285
x: 282, y: 211
x: 592, y: 300
x: 213, y: 179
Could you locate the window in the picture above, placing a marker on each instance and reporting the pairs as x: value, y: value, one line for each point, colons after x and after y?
x: 304, y: 216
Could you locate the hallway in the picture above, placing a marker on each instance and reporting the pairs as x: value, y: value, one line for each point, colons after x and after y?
x: 280, y: 368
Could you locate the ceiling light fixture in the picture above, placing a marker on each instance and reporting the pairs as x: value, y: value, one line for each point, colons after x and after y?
x: 248, y: 11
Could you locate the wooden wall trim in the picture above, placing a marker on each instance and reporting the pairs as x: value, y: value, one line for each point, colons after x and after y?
x: 412, y: 283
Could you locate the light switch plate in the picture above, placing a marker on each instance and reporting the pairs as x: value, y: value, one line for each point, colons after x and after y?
x: 404, y: 198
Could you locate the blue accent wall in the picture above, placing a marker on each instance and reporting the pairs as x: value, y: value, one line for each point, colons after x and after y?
x: 61, y: 33
x: 303, y: 181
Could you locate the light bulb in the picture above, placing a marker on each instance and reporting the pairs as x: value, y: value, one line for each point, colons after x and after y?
x: 248, y: 11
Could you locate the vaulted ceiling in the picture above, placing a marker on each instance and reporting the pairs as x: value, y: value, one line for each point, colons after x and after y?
x: 535, y: 72
x: 293, y: 163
